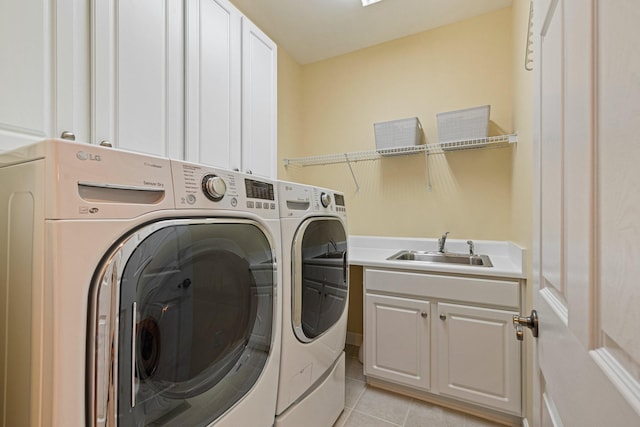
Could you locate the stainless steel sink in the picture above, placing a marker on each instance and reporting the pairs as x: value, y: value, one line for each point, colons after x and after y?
x: 443, y: 257
x: 330, y: 255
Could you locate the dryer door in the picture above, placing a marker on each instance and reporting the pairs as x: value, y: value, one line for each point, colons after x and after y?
x: 183, y: 317
x: 320, y: 277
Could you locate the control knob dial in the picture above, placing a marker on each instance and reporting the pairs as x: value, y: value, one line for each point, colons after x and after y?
x: 214, y: 187
x: 325, y: 199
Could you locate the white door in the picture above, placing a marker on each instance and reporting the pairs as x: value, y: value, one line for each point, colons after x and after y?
x: 587, y: 202
x: 138, y: 75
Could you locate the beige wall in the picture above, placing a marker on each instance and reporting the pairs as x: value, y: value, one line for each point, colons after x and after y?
x: 522, y: 175
x: 457, y: 66
x: 330, y: 107
x: 289, y: 110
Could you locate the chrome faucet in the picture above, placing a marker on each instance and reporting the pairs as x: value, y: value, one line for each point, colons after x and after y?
x: 470, y: 243
x: 441, y: 241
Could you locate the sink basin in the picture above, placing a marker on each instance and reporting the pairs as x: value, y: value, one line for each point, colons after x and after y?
x: 330, y: 255
x: 440, y: 257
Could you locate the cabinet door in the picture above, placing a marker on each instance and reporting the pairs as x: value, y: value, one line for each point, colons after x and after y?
x: 138, y: 64
x: 213, y: 75
x: 259, y: 102
x: 397, y: 340
x: 44, y: 72
x: 479, y: 358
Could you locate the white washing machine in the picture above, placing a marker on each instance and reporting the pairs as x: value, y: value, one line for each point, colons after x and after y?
x: 311, y: 390
x: 136, y: 291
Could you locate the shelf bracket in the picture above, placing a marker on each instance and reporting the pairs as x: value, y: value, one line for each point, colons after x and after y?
x: 353, y: 175
x: 426, y: 156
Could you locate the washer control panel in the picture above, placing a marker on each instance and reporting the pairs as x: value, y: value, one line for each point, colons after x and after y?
x: 204, y: 187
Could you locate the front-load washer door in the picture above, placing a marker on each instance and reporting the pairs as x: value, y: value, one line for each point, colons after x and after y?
x: 184, y: 311
x: 320, y: 277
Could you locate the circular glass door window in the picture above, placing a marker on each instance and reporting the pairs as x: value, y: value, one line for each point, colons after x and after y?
x: 196, y: 317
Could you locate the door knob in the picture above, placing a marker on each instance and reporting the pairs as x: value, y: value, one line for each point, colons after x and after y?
x: 530, y: 322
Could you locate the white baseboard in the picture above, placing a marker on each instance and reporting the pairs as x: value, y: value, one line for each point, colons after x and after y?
x: 354, y: 339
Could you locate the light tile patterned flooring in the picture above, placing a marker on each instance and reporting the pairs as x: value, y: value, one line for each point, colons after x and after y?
x: 371, y: 407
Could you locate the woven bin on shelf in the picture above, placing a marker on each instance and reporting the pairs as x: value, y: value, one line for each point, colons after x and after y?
x: 470, y: 123
x: 396, y: 134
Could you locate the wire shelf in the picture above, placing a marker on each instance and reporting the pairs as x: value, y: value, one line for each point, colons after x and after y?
x: 436, y: 148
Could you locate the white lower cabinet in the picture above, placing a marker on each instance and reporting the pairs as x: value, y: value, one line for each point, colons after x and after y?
x: 478, y: 356
x: 446, y: 336
x: 398, y: 339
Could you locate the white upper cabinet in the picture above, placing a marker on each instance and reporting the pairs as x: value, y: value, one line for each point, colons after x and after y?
x: 192, y: 79
x: 137, y: 64
x: 213, y: 76
x: 44, y: 72
x: 259, y: 102
x: 231, y: 81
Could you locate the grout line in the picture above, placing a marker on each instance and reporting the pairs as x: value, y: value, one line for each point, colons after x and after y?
x: 361, y: 394
x: 376, y: 418
x: 406, y: 416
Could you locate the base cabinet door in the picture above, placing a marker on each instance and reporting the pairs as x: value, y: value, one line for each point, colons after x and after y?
x: 478, y: 356
x: 397, y: 344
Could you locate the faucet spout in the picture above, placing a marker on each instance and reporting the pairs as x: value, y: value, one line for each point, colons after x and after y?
x: 441, y: 242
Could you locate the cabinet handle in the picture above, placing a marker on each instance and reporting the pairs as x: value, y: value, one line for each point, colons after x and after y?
x: 424, y: 314
x: 443, y: 316
x: 106, y: 144
x: 70, y: 136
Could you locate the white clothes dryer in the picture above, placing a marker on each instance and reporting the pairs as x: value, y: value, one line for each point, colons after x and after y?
x: 311, y: 389
x: 138, y: 291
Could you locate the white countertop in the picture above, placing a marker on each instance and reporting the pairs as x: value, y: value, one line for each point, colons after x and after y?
x: 508, y: 259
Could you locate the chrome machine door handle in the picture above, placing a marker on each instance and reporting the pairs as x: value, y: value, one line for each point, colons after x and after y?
x: 530, y: 322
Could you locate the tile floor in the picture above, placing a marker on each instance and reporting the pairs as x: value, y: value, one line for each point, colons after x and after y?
x: 371, y: 407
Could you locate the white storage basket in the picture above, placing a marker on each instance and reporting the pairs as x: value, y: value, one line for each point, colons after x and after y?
x: 396, y: 134
x: 458, y: 125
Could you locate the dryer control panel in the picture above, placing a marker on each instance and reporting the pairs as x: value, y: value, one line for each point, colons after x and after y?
x: 297, y: 200
x: 203, y: 187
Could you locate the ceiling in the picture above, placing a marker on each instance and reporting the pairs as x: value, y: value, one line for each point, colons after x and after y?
x: 312, y: 30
